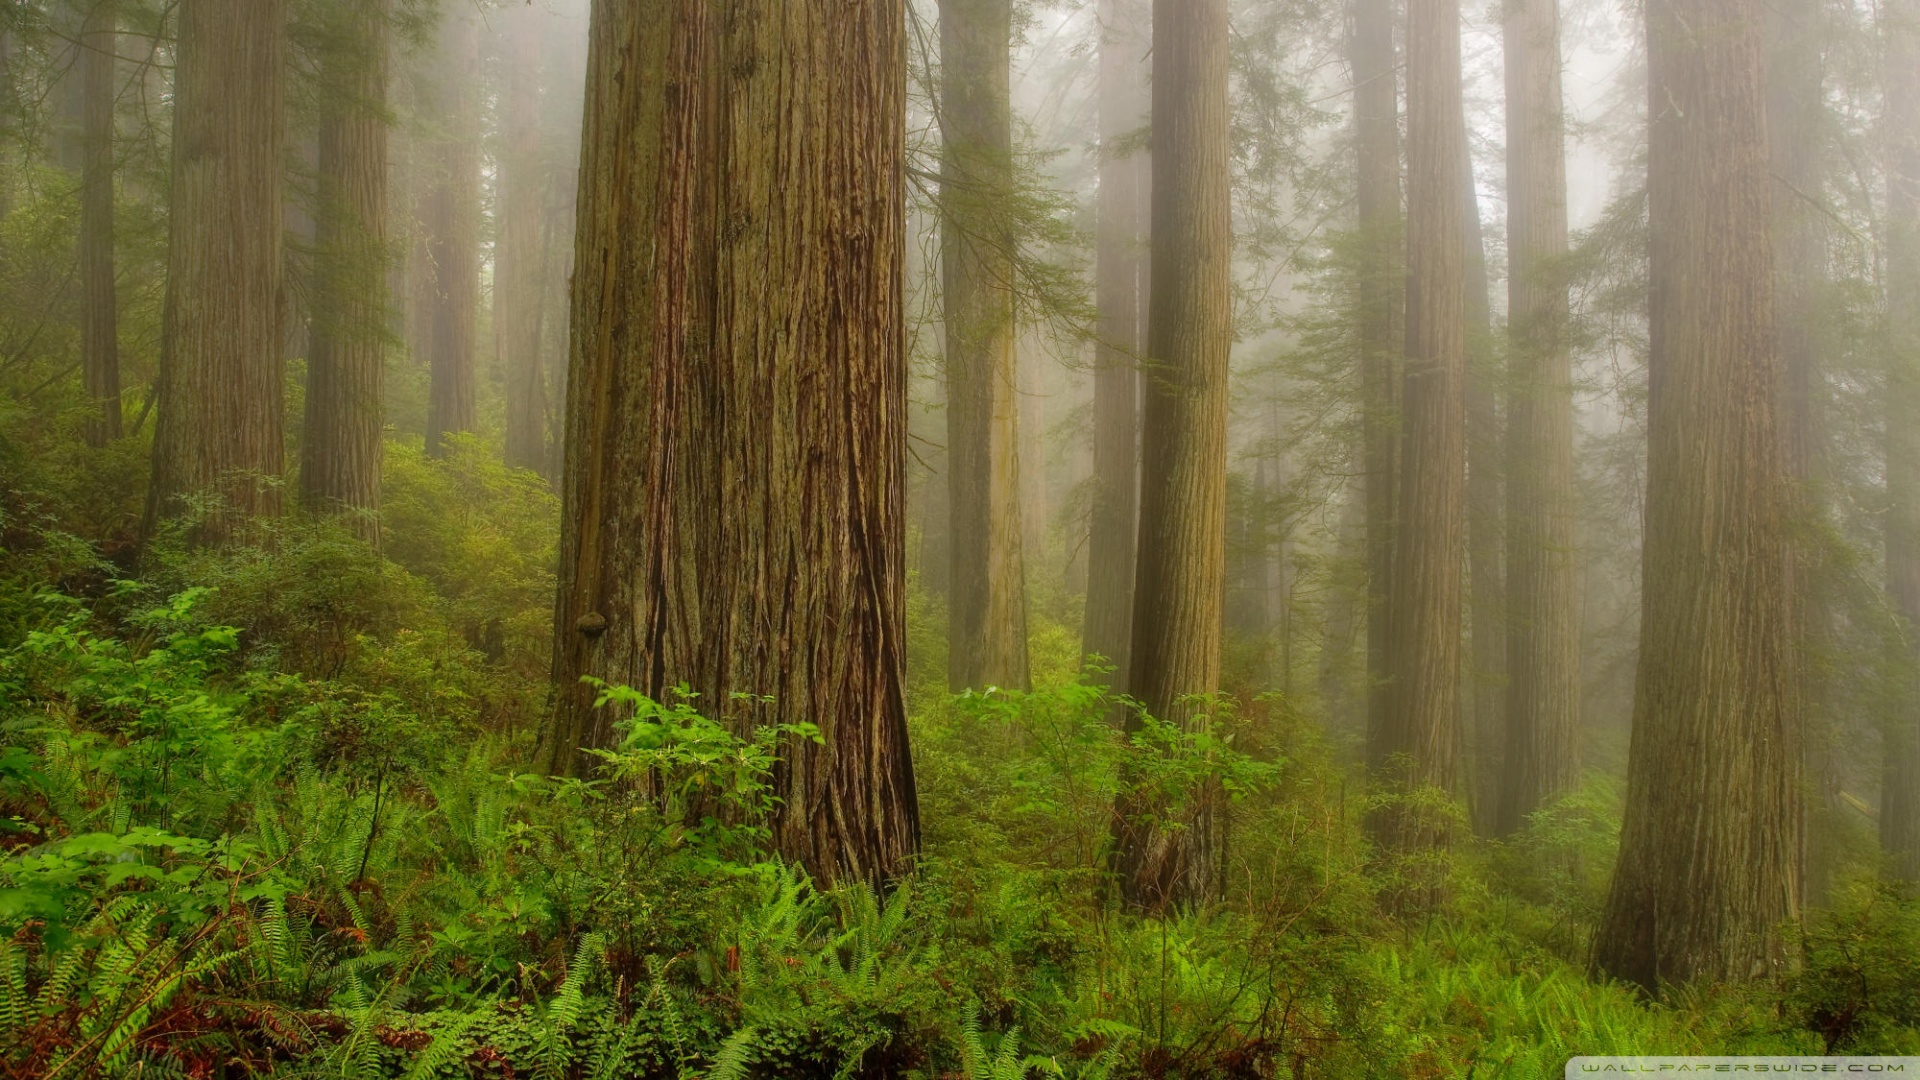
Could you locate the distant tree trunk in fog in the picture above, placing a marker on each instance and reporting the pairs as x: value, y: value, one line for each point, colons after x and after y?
x: 1120, y: 288
x: 346, y: 360
x: 519, y: 255
x: 221, y: 377
x: 1419, y: 747
x: 1900, y: 784
x: 450, y: 220
x: 1543, y: 574
x: 100, y: 321
x: 987, y: 599
x: 736, y: 449
x: 1485, y: 577
x: 9, y: 119
x: 1376, y: 118
x: 1030, y: 398
x: 1795, y: 109
x: 1180, y: 583
x: 1710, y: 843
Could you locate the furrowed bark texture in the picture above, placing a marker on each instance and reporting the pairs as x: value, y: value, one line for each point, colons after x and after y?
x: 1180, y: 583
x: 99, y: 326
x: 987, y: 597
x: 1709, y: 851
x: 736, y: 412
x: 1420, y: 748
x: 520, y: 254
x: 1543, y: 583
x: 1487, y: 616
x: 1795, y: 121
x: 346, y: 360
x: 221, y: 393
x: 450, y: 220
x: 1376, y: 119
x: 1120, y: 286
x: 1900, y: 785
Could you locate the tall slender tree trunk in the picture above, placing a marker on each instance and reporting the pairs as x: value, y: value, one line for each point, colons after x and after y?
x: 346, y: 360
x: 1376, y: 116
x: 9, y: 121
x: 1419, y: 748
x: 100, y: 322
x: 450, y: 220
x: 1485, y: 576
x: 987, y: 598
x: 736, y: 454
x: 1795, y: 107
x: 221, y: 405
x: 1899, y: 791
x: 1710, y: 845
x: 1180, y: 583
x: 1543, y: 582
x: 1120, y: 286
x: 520, y: 256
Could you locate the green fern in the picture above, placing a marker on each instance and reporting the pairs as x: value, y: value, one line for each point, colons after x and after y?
x: 734, y: 1057
x: 449, y: 1044
x: 564, y: 1010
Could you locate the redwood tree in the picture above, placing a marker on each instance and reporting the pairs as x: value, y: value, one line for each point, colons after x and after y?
x: 1120, y: 286
x: 986, y: 598
x: 736, y: 411
x: 220, y: 395
x: 1418, y: 746
x: 1376, y: 122
x: 1899, y: 793
x: 520, y: 260
x: 1543, y: 599
x: 100, y: 322
x: 1710, y: 844
x: 1486, y: 578
x: 1180, y: 582
x: 450, y: 226
x: 1796, y: 108
x: 340, y: 463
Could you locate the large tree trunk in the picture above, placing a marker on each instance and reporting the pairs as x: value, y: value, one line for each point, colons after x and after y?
x: 221, y: 378
x: 450, y: 222
x: 1900, y: 784
x: 1419, y: 748
x: 1485, y: 576
x: 520, y: 255
x: 1180, y: 583
x: 1376, y: 121
x: 1120, y: 287
x: 346, y: 361
x: 1710, y: 845
x: 736, y: 414
x: 1543, y: 582
x: 1795, y: 108
x: 100, y: 320
x: 987, y: 598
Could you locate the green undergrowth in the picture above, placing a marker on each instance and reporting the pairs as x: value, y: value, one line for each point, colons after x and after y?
x: 266, y: 814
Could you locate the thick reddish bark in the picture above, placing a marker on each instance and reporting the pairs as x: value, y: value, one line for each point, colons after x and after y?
x: 220, y: 432
x: 1710, y: 845
x: 1180, y: 583
x: 736, y: 410
x: 346, y: 360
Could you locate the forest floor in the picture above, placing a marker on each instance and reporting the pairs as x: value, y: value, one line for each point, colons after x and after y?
x: 268, y: 812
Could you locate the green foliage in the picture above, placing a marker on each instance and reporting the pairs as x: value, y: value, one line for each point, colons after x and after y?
x: 1860, y: 987
x: 214, y: 853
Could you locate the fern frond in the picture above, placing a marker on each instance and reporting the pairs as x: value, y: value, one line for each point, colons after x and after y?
x: 734, y: 1056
